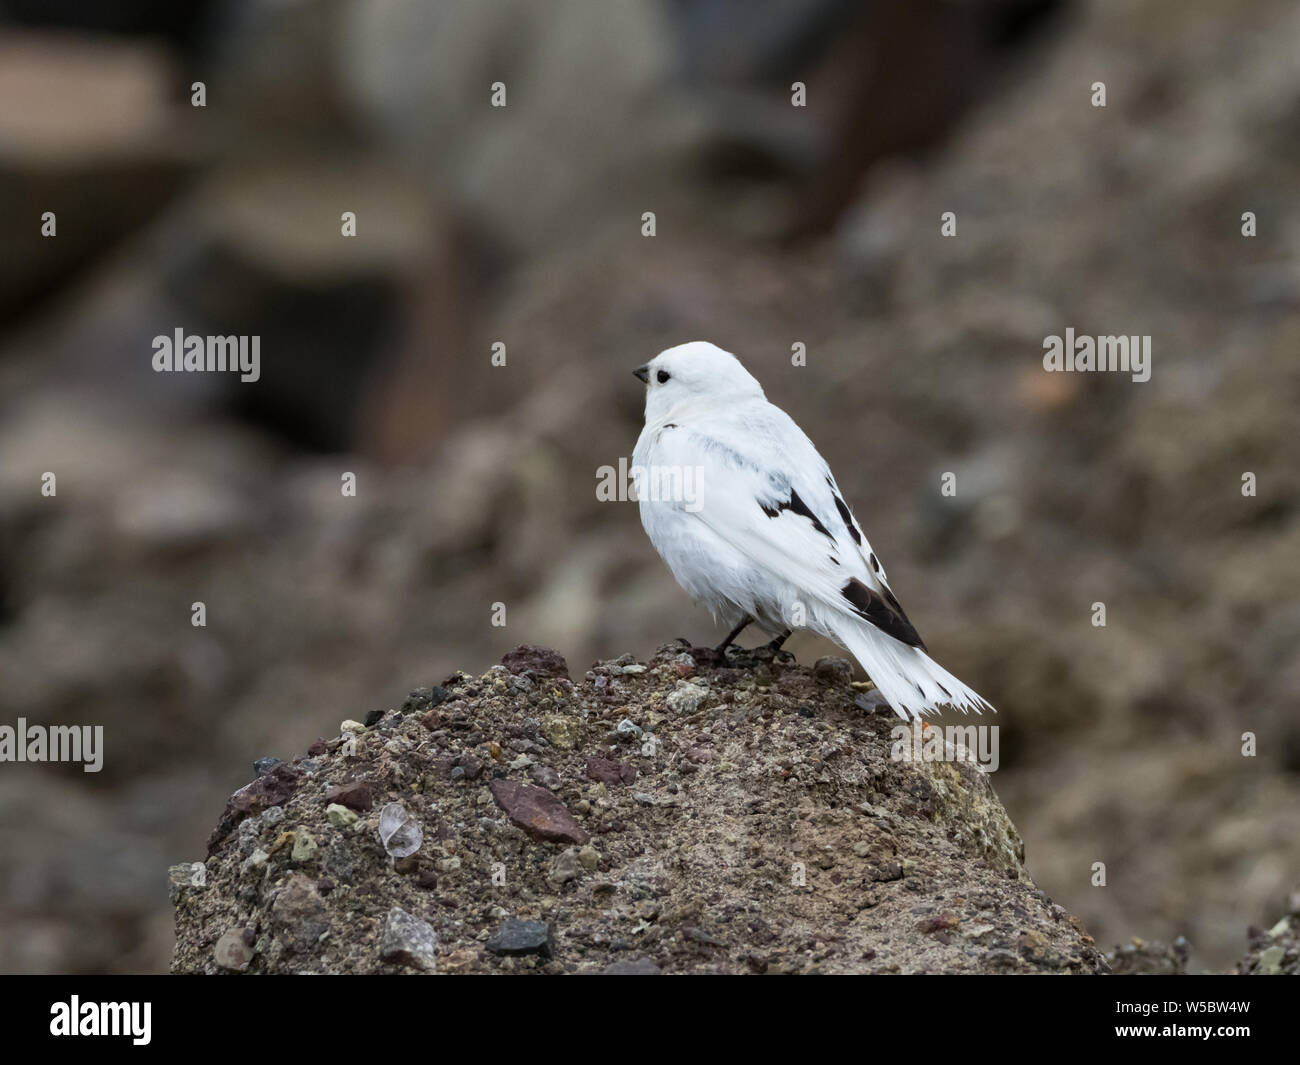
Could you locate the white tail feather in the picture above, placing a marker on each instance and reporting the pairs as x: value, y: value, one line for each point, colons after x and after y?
x: 910, y: 679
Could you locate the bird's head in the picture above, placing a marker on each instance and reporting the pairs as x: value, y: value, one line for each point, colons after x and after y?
x: 698, y: 373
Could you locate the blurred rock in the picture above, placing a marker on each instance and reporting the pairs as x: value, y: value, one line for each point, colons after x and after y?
x: 1140, y: 958
x: 1275, y: 952
x: 87, y: 132
x: 266, y: 256
x: 424, y: 73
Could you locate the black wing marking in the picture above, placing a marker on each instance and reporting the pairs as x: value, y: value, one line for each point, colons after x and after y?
x: 798, y: 506
x: 884, y: 612
x: 845, y: 516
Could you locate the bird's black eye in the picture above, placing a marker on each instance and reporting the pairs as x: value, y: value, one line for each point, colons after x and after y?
x: 662, y: 376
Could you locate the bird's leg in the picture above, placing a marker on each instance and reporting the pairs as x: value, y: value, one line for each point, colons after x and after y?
x: 745, y: 622
x: 775, y: 645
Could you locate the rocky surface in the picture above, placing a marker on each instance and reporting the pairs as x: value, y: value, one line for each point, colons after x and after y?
x: 1142, y: 958
x: 1271, y: 952
x: 1275, y: 951
x: 667, y: 817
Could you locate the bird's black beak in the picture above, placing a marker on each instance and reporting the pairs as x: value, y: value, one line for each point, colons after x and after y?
x: 642, y: 372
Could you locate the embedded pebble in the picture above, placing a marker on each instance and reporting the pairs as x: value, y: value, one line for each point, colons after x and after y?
x: 264, y: 765
x: 523, y: 937
x: 304, y: 846
x: 399, y: 832
x: 407, y: 940
x: 234, y: 950
x: 687, y: 697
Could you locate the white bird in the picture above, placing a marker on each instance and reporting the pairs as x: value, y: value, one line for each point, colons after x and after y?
x: 747, y: 515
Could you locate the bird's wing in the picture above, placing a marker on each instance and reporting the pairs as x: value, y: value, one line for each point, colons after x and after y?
x: 765, y: 490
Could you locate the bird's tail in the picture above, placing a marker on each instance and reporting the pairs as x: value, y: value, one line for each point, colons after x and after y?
x: 911, y: 680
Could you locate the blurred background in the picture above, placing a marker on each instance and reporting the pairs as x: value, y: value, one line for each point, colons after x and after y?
x: 775, y: 226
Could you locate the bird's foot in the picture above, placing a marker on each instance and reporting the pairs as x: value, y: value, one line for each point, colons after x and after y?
x: 765, y: 653
x: 771, y: 651
x: 708, y: 656
x: 730, y: 654
x: 734, y: 657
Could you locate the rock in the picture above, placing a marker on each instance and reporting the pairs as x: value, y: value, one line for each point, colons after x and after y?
x: 684, y: 665
x: 356, y: 794
x: 1150, y: 958
x: 544, y: 775
x: 255, y: 861
x: 943, y: 922
x: 912, y: 865
x: 409, y: 941
x: 537, y: 811
x: 399, y: 832
x: 234, y: 950
x: 425, y: 699
x: 1277, y: 951
x: 833, y: 670
x: 304, y: 846
x: 610, y: 771
x: 264, y: 765
x: 185, y: 877
x: 560, y: 731
x: 86, y: 122
x: 687, y: 697
x: 523, y: 937
x: 1033, y: 945
x: 300, y: 914
x: 872, y: 702
x: 272, y: 788
x: 538, y: 661
x: 564, y: 868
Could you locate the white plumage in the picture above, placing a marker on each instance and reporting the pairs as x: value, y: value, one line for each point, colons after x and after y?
x: 748, y: 517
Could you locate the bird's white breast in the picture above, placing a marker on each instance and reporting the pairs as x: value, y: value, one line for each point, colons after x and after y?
x: 709, y: 568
